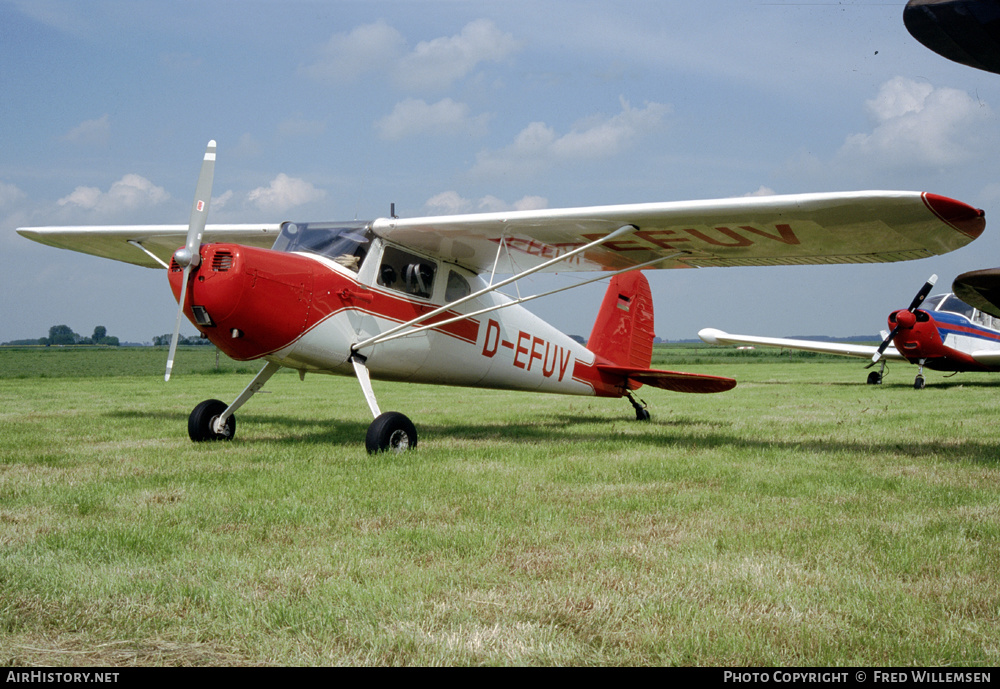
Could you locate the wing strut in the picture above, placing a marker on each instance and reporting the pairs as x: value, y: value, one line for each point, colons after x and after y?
x: 624, y: 229
x: 513, y: 302
x: 148, y: 253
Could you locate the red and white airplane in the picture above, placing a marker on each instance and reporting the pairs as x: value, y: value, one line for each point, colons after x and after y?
x: 942, y: 333
x: 419, y: 300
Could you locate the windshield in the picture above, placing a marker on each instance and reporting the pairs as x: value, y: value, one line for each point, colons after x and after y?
x: 346, y: 243
x: 953, y: 304
x: 931, y: 303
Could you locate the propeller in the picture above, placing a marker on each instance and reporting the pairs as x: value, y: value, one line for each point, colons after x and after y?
x: 189, y: 255
x: 914, y: 305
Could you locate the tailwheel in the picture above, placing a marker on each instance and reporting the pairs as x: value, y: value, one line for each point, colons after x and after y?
x: 391, y: 431
x: 641, y: 412
x: 201, y: 423
x: 874, y: 378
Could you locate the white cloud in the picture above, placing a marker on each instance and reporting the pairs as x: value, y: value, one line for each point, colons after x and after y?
x: 348, y: 56
x: 917, y: 125
x: 219, y: 202
x: 761, y: 191
x: 413, y: 117
x: 432, y: 65
x: 436, y: 64
x: 284, y: 193
x: 9, y: 195
x: 538, y: 146
x: 90, y: 132
x: 130, y: 193
x: 451, y: 203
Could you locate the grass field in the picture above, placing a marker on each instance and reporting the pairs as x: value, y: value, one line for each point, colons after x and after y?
x: 803, y: 518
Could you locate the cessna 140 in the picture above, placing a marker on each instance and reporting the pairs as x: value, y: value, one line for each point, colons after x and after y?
x: 408, y: 299
x: 943, y: 333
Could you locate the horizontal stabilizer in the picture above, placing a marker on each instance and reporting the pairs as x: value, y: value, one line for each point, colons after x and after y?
x: 671, y: 380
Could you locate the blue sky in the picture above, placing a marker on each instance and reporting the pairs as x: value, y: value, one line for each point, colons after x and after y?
x: 334, y: 110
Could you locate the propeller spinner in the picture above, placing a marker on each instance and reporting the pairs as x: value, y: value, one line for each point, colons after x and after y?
x: 189, y: 256
x: 914, y: 305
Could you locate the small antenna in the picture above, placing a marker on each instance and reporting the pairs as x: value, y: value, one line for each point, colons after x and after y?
x: 392, y: 210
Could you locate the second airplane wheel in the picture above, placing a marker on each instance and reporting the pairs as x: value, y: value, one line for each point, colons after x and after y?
x: 391, y: 431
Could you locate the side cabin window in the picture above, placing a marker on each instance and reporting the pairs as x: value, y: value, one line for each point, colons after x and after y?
x: 405, y: 272
x: 457, y: 287
x: 346, y: 243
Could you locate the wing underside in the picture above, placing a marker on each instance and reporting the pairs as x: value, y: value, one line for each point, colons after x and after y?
x: 803, y: 229
x: 718, y: 337
x: 851, y: 227
x: 130, y: 243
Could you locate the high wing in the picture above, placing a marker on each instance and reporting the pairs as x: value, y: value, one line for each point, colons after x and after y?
x: 713, y: 336
x: 848, y: 227
x: 119, y: 242
x: 980, y: 289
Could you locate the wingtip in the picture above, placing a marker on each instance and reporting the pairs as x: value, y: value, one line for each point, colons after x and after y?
x: 710, y: 335
x: 963, y: 217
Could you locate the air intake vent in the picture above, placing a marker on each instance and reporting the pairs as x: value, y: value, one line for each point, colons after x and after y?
x: 222, y: 261
x: 174, y: 267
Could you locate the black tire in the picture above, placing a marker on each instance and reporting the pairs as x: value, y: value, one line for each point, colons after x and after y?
x: 391, y: 431
x: 201, y: 420
x: 642, y: 415
x: 918, y: 383
x: 874, y: 378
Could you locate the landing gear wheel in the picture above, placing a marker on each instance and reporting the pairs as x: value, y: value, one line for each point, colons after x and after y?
x: 918, y: 383
x: 641, y: 413
x: 202, y: 420
x: 874, y: 378
x: 391, y: 431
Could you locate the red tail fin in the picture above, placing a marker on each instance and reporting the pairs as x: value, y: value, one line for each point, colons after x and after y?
x: 623, y: 332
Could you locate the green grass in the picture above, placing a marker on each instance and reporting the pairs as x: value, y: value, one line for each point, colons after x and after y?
x: 803, y: 518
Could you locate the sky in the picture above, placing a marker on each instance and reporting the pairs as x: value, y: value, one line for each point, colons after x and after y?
x: 329, y: 110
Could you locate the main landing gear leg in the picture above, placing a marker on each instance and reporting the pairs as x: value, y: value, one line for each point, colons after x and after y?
x: 213, y: 420
x: 641, y: 413
x: 389, y: 431
x: 875, y: 377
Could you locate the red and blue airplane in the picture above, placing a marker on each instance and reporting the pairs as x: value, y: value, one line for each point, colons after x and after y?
x: 941, y: 333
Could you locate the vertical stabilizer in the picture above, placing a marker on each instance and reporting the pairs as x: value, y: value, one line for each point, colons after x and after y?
x: 623, y: 332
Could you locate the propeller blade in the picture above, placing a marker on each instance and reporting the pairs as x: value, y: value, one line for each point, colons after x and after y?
x: 177, y: 325
x: 922, y: 294
x: 884, y: 346
x: 189, y: 256
x: 914, y: 305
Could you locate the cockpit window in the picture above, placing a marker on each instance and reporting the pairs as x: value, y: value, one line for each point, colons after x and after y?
x: 345, y: 243
x: 400, y: 270
x: 931, y: 303
x: 953, y: 304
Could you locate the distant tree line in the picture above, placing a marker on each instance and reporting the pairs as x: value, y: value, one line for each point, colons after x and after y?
x: 64, y: 335
x: 164, y: 340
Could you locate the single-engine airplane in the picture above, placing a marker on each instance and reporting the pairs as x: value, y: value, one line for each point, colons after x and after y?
x: 942, y: 333
x: 419, y: 299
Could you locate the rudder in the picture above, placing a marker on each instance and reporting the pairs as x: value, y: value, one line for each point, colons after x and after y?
x: 623, y: 332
